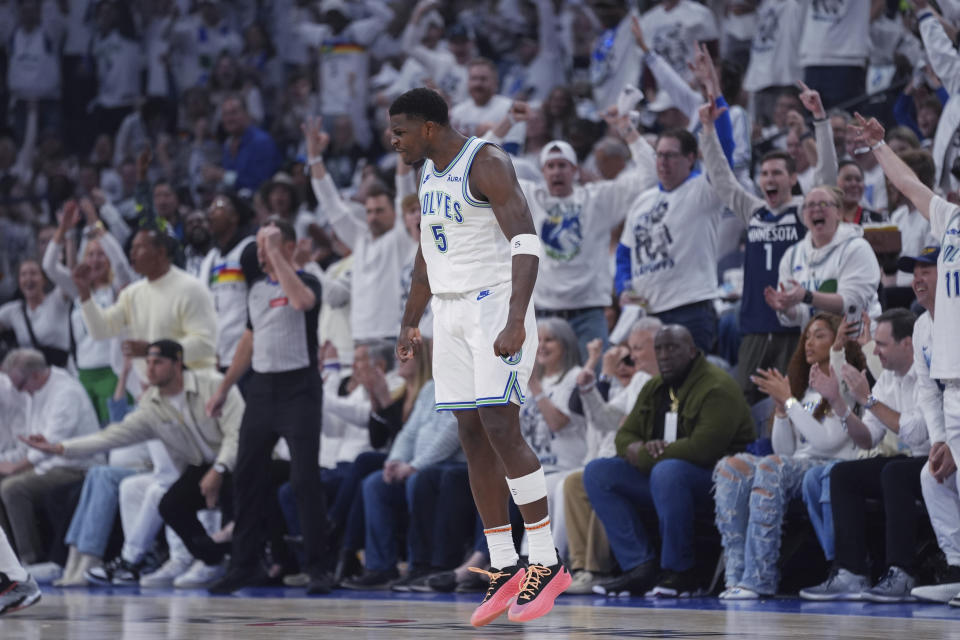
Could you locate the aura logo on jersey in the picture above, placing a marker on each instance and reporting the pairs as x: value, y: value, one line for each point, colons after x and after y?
x: 562, y: 231
x: 440, y: 203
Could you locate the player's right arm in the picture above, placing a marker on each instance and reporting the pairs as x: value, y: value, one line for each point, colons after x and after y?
x: 410, y: 340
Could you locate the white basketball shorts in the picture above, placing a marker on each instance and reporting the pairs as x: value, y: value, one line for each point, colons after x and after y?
x: 466, y: 372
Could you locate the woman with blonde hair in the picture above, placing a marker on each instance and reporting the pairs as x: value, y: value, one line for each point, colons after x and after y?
x: 831, y: 269
x: 111, y: 272
x: 752, y: 493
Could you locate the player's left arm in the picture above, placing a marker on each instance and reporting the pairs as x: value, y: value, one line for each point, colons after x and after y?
x: 492, y: 177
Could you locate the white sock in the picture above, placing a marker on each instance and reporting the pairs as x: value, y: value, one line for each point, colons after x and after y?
x: 503, y: 553
x: 9, y: 565
x: 540, y: 539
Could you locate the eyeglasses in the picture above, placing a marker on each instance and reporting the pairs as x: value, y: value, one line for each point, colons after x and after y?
x: 821, y: 205
x: 668, y: 155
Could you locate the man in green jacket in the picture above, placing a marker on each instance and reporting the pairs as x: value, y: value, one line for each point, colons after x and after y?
x: 685, y: 419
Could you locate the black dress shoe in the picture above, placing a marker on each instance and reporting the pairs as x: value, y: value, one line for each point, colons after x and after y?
x: 237, y: 578
x: 348, y: 566
x: 371, y: 580
x: 320, y: 585
x: 636, y: 581
x: 443, y: 582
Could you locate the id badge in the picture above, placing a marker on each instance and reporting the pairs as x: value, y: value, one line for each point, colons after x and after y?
x: 670, y: 427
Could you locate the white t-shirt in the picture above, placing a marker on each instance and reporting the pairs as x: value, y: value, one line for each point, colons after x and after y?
x: 79, y: 28
x: 575, y: 234
x: 465, y: 116
x: 33, y: 70
x: 672, y: 237
x: 674, y: 34
x: 49, y: 321
x: 914, y: 236
x: 773, y: 53
x: 615, y: 62
x: 560, y: 450
x: 836, y: 33
x: 945, y: 224
x: 119, y: 63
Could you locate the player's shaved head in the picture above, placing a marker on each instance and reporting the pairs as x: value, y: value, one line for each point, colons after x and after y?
x: 423, y: 104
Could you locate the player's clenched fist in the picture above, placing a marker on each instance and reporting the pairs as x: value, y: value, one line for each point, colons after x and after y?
x: 408, y: 343
x: 510, y: 340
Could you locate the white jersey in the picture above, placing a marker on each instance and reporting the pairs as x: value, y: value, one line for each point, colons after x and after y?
x: 463, y: 245
x: 945, y: 224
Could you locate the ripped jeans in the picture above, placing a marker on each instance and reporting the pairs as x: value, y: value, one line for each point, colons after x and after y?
x: 752, y: 495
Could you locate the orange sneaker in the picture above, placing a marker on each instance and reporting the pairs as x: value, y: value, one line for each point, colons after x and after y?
x: 503, y: 590
x: 541, y: 586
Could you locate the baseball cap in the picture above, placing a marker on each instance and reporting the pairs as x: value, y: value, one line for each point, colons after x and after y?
x: 166, y: 348
x: 558, y: 149
x: 928, y: 255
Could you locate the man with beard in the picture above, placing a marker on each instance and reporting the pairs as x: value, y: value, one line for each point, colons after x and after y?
x: 222, y: 272
x: 196, y: 241
x: 166, y: 303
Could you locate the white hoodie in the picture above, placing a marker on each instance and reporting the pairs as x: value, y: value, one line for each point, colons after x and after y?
x: 847, y: 260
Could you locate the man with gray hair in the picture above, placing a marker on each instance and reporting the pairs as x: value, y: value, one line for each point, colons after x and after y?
x: 59, y: 409
x: 605, y: 401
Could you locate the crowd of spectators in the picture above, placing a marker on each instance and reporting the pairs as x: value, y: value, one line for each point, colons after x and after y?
x: 207, y: 240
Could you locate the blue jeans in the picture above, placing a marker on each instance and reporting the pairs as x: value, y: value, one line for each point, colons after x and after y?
x: 816, y: 496
x: 700, y: 318
x: 589, y: 325
x: 674, y: 488
x: 752, y: 495
x: 99, y: 502
x: 442, y: 516
x: 836, y: 84
x: 384, y: 509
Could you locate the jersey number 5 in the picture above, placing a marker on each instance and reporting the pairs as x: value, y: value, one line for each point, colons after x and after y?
x: 439, y: 237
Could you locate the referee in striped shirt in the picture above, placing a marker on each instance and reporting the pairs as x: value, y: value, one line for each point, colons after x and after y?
x: 283, y: 400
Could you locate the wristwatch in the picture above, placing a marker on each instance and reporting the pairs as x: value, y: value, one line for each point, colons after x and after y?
x: 790, y: 403
x: 808, y: 297
x: 871, y: 402
x: 220, y: 468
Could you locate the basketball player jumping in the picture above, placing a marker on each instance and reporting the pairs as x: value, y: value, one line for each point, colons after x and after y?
x: 478, y: 259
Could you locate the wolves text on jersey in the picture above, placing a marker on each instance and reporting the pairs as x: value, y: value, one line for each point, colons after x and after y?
x: 439, y: 203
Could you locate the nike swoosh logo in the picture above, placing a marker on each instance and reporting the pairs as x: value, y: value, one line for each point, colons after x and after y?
x: 483, y: 294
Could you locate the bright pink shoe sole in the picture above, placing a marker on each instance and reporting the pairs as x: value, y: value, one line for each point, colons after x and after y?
x: 500, y: 602
x: 543, y: 603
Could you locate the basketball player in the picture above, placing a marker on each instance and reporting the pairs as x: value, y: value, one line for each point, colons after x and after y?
x: 18, y: 590
x: 478, y: 259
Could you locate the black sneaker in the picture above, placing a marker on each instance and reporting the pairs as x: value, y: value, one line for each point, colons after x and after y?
x: 676, y: 584
x: 443, y: 582
x: 372, y: 580
x: 541, y: 587
x: 320, y: 585
x: 636, y: 581
x: 237, y: 578
x: 416, y: 574
x: 348, y: 566
x: 117, y: 572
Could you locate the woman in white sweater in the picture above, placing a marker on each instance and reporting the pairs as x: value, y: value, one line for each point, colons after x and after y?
x: 752, y: 493
x: 831, y: 269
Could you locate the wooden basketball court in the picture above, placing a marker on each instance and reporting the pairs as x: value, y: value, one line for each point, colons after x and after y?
x: 166, y: 615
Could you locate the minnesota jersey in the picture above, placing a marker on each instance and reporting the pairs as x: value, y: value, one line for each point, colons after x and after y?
x: 463, y: 246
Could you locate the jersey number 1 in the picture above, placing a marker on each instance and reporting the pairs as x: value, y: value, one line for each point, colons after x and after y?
x: 439, y: 237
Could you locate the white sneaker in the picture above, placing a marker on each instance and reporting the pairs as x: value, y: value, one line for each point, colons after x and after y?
x: 739, y: 593
x: 936, y: 592
x: 45, y: 572
x: 200, y: 575
x: 167, y: 573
